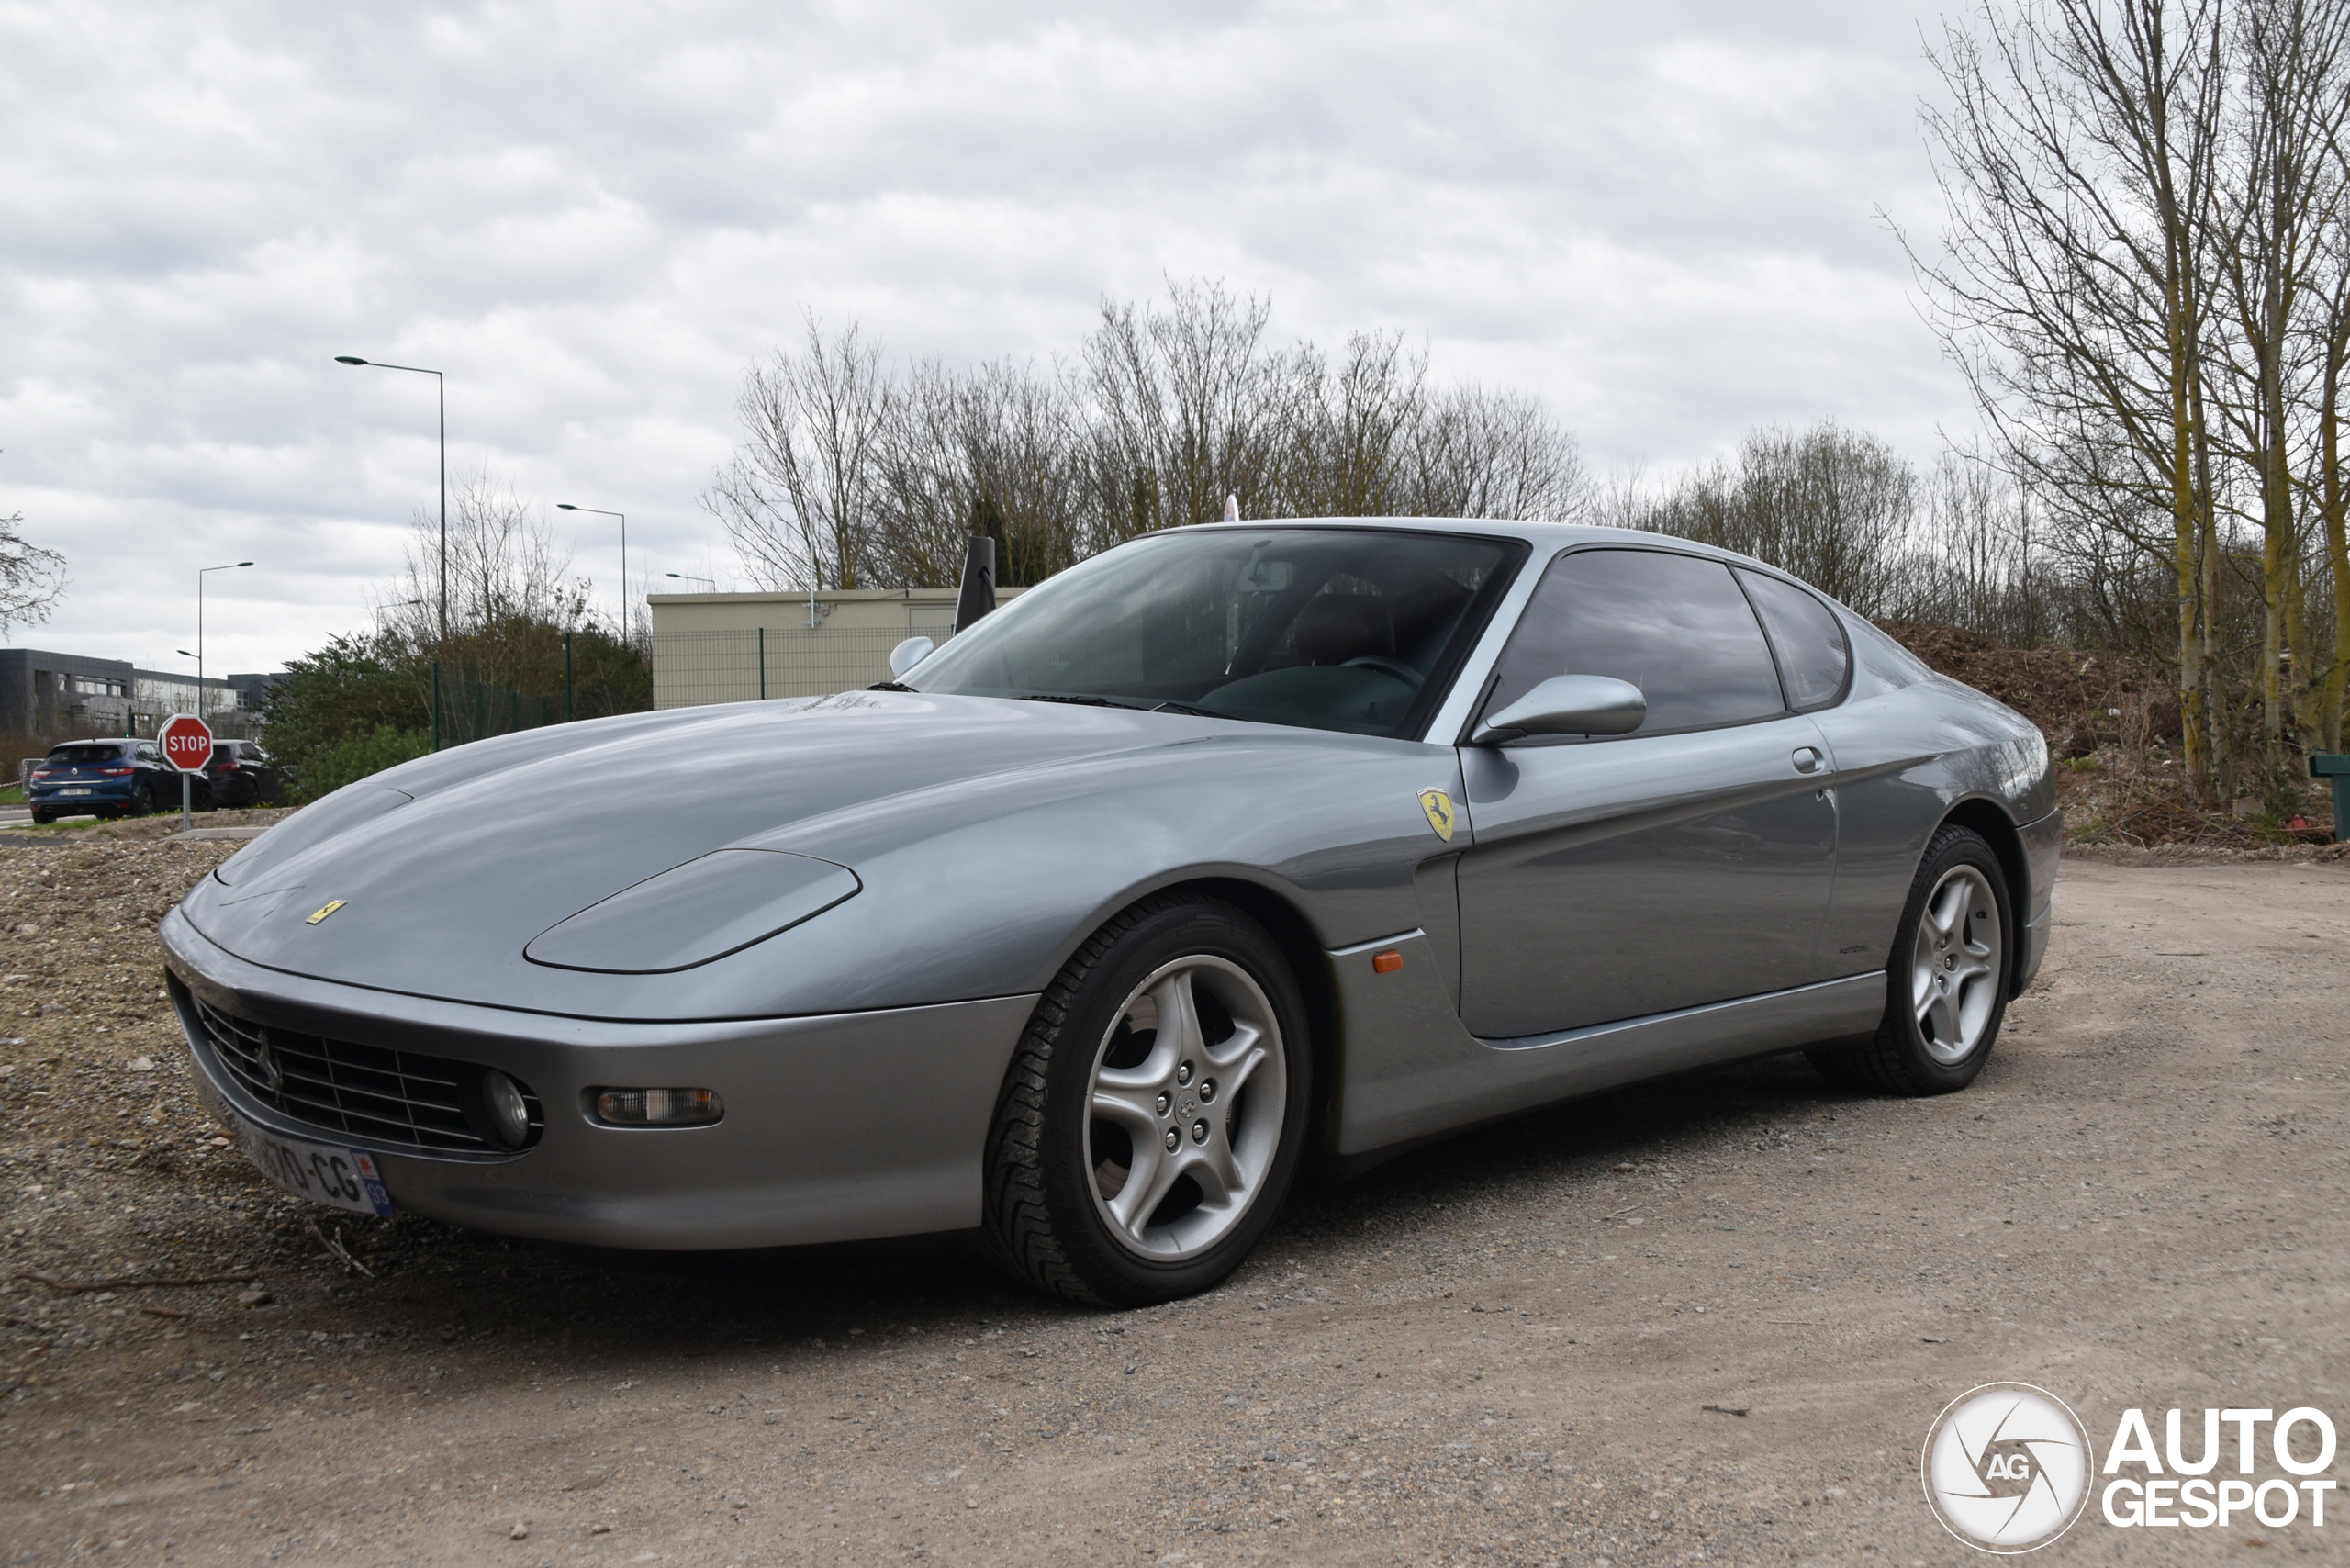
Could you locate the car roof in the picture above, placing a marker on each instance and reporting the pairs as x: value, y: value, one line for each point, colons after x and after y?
x: 1545, y: 537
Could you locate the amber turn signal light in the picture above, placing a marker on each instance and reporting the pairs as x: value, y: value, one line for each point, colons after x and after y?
x: 1386, y: 963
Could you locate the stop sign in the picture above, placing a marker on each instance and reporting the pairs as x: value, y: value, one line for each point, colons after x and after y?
x: 186, y: 742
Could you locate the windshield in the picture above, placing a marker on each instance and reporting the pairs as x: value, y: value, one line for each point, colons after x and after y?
x: 1325, y: 628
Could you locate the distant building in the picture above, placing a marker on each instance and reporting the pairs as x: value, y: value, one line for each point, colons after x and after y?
x: 252, y: 690
x: 739, y: 647
x: 59, y: 696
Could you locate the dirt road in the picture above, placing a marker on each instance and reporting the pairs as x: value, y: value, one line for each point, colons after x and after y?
x: 1706, y: 1321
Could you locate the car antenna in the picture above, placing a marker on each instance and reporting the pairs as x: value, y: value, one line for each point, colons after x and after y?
x: 1232, y: 509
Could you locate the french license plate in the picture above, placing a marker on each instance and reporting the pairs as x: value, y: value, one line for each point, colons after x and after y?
x: 71, y: 790
x: 326, y: 1173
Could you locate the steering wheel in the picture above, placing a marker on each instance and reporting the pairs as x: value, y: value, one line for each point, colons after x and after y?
x: 1396, y: 668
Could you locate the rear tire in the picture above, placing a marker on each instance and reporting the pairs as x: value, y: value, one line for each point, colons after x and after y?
x: 42, y: 819
x: 1154, y: 1115
x: 1946, y: 987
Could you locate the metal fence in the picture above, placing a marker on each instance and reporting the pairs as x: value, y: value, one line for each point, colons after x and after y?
x: 693, y: 667
x: 470, y: 710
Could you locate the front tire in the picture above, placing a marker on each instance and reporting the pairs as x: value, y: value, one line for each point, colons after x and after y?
x: 1946, y: 992
x: 1154, y: 1113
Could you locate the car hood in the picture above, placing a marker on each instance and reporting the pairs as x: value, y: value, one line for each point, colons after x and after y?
x: 896, y: 812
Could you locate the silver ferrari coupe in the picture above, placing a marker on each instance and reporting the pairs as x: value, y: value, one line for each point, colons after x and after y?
x: 1235, y: 847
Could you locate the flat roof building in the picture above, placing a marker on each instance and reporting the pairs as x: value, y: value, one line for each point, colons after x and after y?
x: 739, y: 647
x: 59, y: 696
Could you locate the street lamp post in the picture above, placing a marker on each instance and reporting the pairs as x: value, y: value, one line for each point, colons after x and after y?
x: 199, y: 626
x: 689, y: 578
x: 441, y: 384
x: 566, y: 506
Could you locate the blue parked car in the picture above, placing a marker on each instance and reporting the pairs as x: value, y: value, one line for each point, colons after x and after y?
x: 105, y: 778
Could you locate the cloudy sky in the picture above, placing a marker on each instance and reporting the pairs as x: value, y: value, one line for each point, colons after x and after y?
x: 1662, y: 218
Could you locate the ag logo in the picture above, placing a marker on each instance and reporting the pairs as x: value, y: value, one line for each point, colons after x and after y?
x: 1438, y: 807
x: 2007, y: 1467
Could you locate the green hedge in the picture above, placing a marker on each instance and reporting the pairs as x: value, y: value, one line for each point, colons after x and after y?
x: 357, y: 757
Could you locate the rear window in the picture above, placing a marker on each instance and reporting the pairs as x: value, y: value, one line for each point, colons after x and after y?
x: 84, y: 755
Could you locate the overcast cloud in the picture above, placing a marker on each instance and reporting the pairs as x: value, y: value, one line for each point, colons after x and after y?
x: 591, y: 216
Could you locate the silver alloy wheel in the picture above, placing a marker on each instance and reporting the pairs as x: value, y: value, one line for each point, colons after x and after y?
x: 1955, y: 968
x: 1187, y: 1105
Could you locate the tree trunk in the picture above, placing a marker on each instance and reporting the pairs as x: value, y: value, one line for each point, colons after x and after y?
x: 2187, y: 533
x: 2337, y: 549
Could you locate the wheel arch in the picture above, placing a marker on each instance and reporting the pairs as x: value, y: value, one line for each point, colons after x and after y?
x: 1302, y: 947
x: 1998, y: 830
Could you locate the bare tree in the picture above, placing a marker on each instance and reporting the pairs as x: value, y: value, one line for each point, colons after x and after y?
x: 2076, y: 159
x: 1482, y: 454
x: 2277, y: 204
x: 798, y: 497
x: 850, y: 474
x: 2332, y: 494
x: 1184, y: 405
x: 509, y: 586
x: 1353, y: 430
x: 1834, y: 507
x: 32, y: 579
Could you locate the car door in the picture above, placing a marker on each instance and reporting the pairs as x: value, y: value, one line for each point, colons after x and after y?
x: 1689, y: 862
x: 155, y: 774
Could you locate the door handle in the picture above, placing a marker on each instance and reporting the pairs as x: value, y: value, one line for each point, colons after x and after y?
x: 1808, y: 758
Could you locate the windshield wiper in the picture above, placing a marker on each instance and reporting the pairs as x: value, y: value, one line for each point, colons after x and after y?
x: 891, y: 686
x: 1085, y: 700
x: 1089, y: 700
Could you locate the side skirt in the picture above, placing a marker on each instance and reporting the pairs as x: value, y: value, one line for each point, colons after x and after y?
x: 1409, y: 1071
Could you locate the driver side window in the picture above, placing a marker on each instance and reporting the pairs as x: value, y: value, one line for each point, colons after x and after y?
x: 1676, y: 626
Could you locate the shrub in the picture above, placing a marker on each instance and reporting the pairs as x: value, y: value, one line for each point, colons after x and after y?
x: 355, y: 759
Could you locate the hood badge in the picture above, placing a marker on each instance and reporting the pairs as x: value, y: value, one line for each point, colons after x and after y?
x: 1438, y: 807
x: 321, y: 913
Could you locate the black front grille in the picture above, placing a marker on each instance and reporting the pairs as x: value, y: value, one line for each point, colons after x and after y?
x: 368, y: 1092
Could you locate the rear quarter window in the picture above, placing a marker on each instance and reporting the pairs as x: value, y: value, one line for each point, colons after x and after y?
x: 1887, y: 664
x: 1808, y: 639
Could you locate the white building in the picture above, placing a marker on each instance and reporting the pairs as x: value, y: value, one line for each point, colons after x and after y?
x: 739, y: 647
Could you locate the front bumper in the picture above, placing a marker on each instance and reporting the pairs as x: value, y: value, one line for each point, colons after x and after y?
x: 838, y: 1127
x: 2044, y: 849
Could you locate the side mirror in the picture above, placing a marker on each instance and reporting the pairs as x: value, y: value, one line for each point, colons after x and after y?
x: 907, y: 654
x: 1567, y: 705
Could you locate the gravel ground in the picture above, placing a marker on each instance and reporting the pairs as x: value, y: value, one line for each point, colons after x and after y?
x: 1705, y: 1321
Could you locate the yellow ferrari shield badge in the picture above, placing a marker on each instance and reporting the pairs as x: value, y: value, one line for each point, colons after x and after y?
x: 1439, y: 806
x: 330, y: 909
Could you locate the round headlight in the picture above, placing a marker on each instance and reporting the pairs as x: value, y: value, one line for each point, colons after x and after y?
x: 510, y: 1114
